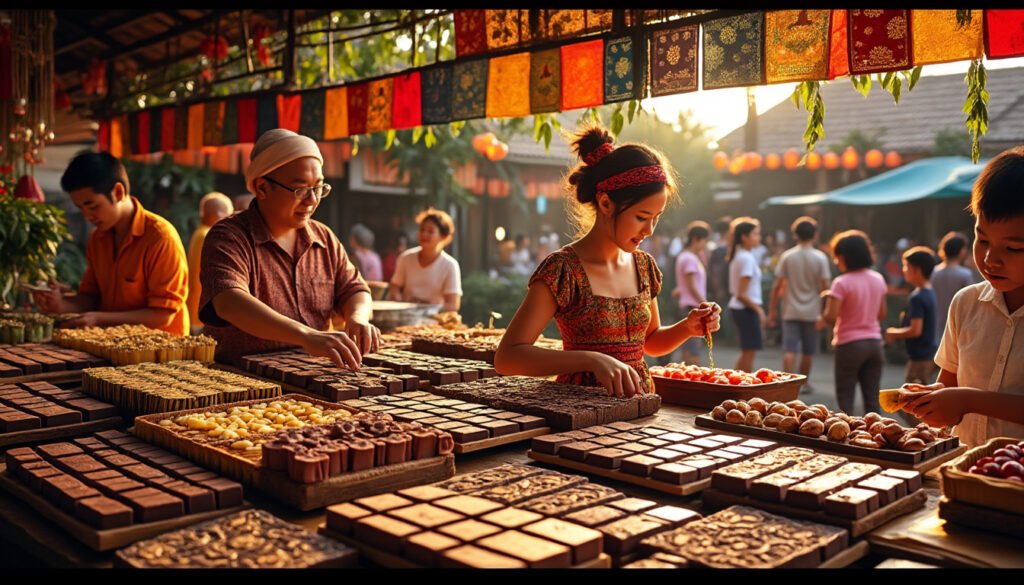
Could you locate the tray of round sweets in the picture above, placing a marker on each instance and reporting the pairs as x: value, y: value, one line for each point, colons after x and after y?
x: 702, y: 387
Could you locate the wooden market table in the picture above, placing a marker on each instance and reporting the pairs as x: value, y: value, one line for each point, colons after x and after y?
x: 31, y: 540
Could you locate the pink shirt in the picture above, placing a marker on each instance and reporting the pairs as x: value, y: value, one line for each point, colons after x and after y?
x: 861, y: 293
x: 688, y: 263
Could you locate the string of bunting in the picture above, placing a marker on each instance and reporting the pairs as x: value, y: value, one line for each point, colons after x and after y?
x: 747, y: 49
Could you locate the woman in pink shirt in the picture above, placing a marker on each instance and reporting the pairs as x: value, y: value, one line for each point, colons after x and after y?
x: 856, y: 304
x: 692, y: 282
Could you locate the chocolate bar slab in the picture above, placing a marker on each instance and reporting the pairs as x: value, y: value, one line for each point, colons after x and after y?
x: 511, y: 517
x: 538, y: 553
x: 341, y: 517
x: 595, y: 516
x: 853, y: 503
x: 676, y: 473
x: 425, y: 548
x: 425, y: 515
x: 913, y: 478
x: 811, y: 493
x: 607, y: 458
x: 585, y: 543
x: 774, y: 486
x: 640, y: 465
x: 103, y: 513
x: 889, y: 488
x: 622, y: 536
x: 383, y: 532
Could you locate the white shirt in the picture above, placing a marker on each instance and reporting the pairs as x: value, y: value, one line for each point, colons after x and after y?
x: 426, y: 284
x: 744, y: 264
x: 982, y: 345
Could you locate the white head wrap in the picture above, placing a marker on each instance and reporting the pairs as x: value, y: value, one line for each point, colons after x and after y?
x: 276, y: 148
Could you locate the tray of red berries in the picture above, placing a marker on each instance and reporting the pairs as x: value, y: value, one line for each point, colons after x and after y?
x: 989, y: 475
x: 703, y: 387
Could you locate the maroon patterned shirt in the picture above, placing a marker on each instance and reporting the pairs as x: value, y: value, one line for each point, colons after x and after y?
x: 240, y: 252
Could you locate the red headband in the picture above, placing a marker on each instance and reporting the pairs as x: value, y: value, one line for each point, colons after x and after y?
x: 632, y: 178
x: 600, y: 152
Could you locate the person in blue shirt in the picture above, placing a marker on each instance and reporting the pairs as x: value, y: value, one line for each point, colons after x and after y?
x: 917, y: 326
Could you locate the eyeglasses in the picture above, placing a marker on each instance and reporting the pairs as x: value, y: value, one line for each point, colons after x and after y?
x: 322, y: 190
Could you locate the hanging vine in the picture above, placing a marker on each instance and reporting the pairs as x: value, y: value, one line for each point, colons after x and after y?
x: 976, y: 106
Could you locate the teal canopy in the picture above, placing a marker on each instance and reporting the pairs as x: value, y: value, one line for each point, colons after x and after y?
x: 942, y: 177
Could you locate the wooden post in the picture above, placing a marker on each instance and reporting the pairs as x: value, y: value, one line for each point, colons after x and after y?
x: 291, y: 56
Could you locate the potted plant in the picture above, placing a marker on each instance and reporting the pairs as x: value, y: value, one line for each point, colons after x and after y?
x: 30, y: 234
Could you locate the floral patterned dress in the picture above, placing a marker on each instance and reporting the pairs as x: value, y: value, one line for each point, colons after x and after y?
x: 615, y: 327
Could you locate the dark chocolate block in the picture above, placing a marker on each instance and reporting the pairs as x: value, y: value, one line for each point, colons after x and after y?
x: 577, y: 451
x: 608, y: 458
x: 852, y: 503
x: 655, y: 442
x: 14, y: 420
x: 468, y: 434
x: 639, y: 464
x: 151, y: 504
x: 340, y: 517
x: 889, y: 488
x: 79, y: 464
x: 913, y: 478
x: 196, y: 499
x: 103, y: 513
x: 812, y: 492
x: 93, y: 409
x: 425, y: 548
x: 704, y: 466
x: 675, y: 473
x: 117, y: 485
x: 54, y: 450
x: 469, y: 530
x: 595, y: 516
x: 607, y: 441
x: 549, y: 443
x: 622, y: 536
x: 572, y: 499
x: 633, y: 505
x: 500, y: 428
x: 665, y: 454
x: 229, y: 493
x: 585, y: 543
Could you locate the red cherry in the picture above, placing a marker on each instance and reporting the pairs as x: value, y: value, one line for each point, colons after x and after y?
x: 975, y: 469
x: 983, y: 461
x: 1000, y: 460
x: 1012, y: 469
x: 1004, y: 453
x: 990, y: 469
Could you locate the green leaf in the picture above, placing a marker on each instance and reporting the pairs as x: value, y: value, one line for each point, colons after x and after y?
x: 617, y: 121
x: 456, y: 128
x: 547, y: 138
x: 633, y: 104
x: 389, y: 139
x: 538, y: 125
x: 417, y: 133
x: 915, y: 75
x: 429, y: 140
x: 897, y: 84
x: 862, y: 83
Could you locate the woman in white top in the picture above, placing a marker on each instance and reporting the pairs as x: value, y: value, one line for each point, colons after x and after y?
x: 745, y: 288
x: 426, y: 273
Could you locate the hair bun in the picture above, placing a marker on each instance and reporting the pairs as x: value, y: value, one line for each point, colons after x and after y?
x: 590, y: 139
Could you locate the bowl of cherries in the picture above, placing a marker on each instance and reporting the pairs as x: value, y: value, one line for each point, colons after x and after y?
x: 1006, y: 462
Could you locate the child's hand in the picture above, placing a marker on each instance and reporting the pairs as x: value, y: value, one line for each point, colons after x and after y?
x: 942, y: 408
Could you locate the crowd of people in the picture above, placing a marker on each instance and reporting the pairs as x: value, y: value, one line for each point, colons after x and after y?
x: 269, y: 276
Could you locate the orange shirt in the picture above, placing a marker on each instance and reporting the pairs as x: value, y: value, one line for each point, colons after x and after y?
x: 149, y: 269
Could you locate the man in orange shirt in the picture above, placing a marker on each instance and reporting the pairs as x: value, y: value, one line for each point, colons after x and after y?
x: 136, y: 272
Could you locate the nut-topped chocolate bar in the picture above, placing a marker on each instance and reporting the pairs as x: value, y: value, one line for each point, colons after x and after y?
x: 742, y: 537
x: 33, y: 405
x: 135, y: 344
x: 250, y: 539
x: 112, y: 480
x: 308, y: 441
x: 38, y: 358
x: 564, y: 406
x: 467, y: 422
x: 320, y: 376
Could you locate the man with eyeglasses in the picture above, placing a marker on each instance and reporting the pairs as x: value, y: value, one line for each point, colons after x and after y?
x: 272, y: 277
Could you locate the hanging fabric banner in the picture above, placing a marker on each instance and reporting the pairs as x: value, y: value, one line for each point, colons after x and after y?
x: 115, y: 137
x: 796, y: 45
x: 266, y: 114
x: 619, y: 82
x: 181, y: 128
x: 558, y: 24
x: 545, y: 81
x: 195, y: 127
x: 358, y: 101
x: 674, y: 60
x: 1004, y: 33
x: 507, y: 28
x: 839, y: 52
x: 436, y: 95
x: 734, y: 51
x: 213, y: 123
x: 469, y: 90
x: 508, y: 86
x: 470, y: 32
x: 405, y: 101
x: 229, y: 132
x: 128, y: 136
x: 378, y: 109
x: 583, y: 73
x: 168, y: 128
x: 311, y: 118
x: 142, y: 132
x: 336, y: 113
x: 156, y: 123
x: 289, y: 111
x: 103, y: 136
x: 939, y: 39
x: 248, y: 120
x: 879, y: 41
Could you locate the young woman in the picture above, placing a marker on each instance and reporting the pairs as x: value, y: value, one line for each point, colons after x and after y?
x: 692, y: 282
x: 745, y: 288
x: 426, y: 273
x: 601, y: 289
x: 856, y: 304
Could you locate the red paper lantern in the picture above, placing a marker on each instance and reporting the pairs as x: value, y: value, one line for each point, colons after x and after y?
x: 874, y: 158
x: 753, y: 162
x: 791, y: 159
x: 772, y: 162
x: 720, y: 160
x: 830, y: 160
x: 28, y: 188
x: 850, y: 158
x: 813, y: 161
x: 893, y: 159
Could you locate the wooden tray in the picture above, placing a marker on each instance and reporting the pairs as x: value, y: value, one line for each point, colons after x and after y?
x: 668, y: 488
x: 60, y: 376
x: 844, y: 559
x: 393, y: 561
x: 708, y: 395
x: 102, y: 540
x: 995, y: 494
x: 716, y: 499
x: 934, y: 455
x: 955, y: 512
x: 47, y: 433
x: 482, y: 444
x: 277, y: 484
